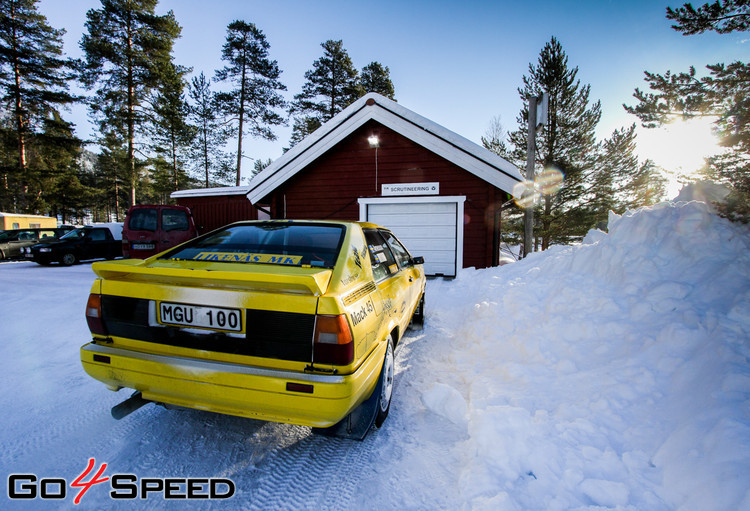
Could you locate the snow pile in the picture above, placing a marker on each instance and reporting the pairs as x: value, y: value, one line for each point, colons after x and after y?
x: 615, y: 373
x: 610, y: 375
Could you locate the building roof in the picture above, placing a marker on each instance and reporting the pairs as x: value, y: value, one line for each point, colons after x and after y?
x: 208, y: 192
x: 430, y: 135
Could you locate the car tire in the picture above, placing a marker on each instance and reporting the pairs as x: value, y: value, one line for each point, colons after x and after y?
x: 68, y: 259
x: 386, y: 390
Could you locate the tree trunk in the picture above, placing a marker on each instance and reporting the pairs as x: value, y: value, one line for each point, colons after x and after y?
x: 131, y: 115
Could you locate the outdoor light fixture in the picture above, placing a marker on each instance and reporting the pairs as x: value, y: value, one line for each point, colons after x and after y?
x: 374, y: 141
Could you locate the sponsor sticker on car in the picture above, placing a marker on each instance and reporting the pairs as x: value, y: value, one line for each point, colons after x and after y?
x: 214, y: 318
x: 232, y: 257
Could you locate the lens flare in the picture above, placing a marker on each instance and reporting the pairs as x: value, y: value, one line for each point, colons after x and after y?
x: 549, y: 181
x: 525, y: 194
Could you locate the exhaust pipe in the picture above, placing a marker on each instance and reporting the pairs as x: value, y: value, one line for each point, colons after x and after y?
x: 128, y: 406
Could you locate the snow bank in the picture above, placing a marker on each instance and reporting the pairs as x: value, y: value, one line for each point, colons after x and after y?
x: 614, y: 373
x: 610, y: 375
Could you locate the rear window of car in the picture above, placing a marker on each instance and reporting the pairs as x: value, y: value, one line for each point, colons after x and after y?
x: 143, y: 219
x: 315, y: 245
x: 174, y: 220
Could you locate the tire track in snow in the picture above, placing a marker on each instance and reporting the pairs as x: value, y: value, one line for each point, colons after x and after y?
x: 317, y: 472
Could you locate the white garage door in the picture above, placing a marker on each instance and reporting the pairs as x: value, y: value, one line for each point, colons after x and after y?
x: 428, y: 227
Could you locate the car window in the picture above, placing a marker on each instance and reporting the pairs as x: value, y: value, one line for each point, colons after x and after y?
x: 10, y: 236
x: 267, y: 243
x: 142, y: 219
x: 72, y: 235
x: 399, y: 252
x: 97, y: 235
x: 174, y: 220
x: 46, y: 234
x: 381, y: 257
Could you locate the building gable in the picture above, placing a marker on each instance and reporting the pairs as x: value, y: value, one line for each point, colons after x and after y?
x: 373, y: 107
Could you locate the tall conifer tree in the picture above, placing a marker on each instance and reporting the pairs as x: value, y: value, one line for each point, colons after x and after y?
x: 34, y: 79
x: 254, y: 100
x: 206, y: 151
x: 171, y: 132
x: 331, y: 85
x: 567, y: 142
x: 126, y: 48
x: 376, y: 77
x: 724, y: 94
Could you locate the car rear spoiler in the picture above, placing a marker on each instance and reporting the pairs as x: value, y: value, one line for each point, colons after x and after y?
x: 312, y: 281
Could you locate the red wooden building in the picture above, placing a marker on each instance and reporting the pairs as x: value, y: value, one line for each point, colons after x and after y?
x: 380, y: 162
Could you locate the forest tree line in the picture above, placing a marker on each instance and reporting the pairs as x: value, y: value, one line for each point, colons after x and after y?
x: 162, y: 126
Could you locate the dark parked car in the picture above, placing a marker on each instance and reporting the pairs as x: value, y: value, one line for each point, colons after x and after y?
x: 13, y: 241
x: 99, y: 241
x: 150, y: 229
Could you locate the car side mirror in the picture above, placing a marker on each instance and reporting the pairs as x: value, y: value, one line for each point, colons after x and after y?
x: 417, y: 260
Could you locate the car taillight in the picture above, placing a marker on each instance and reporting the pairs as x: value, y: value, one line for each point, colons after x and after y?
x: 94, y: 315
x: 333, y: 341
x: 125, y: 247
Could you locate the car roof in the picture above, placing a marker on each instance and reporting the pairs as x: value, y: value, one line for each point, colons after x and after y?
x: 346, y: 223
x: 114, y: 227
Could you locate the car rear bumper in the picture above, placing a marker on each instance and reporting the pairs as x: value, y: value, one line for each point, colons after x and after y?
x: 320, y: 400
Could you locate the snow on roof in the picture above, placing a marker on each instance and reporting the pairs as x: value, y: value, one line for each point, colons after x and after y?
x: 208, y: 192
x: 20, y: 215
x: 114, y: 227
x: 430, y: 135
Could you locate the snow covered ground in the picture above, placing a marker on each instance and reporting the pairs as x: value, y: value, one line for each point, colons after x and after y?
x: 610, y: 375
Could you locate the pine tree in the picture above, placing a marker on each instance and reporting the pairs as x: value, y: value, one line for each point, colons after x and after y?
x: 112, y: 167
x: 55, y: 151
x: 255, y: 97
x: 126, y: 48
x: 376, y: 78
x: 331, y: 85
x: 206, y: 151
x: 171, y: 134
x: 619, y: 181
x: 723, y: 94
x: 33, y: 83
x: 567, y: 143
x: 721, y: 16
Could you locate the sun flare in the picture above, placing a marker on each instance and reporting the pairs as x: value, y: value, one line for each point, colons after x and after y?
x: 679, y: 148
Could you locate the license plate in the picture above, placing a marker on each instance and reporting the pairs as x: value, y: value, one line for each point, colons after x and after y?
x: 142, y: 246
x: 215, y: 318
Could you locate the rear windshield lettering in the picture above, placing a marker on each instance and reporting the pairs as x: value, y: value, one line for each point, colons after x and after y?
x: 229, y: 257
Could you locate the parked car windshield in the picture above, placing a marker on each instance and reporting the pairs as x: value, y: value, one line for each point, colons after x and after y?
x: 288, y: 244
x: 74, y: 234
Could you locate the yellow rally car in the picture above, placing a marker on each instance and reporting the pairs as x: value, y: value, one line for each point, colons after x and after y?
x: 286, y: 321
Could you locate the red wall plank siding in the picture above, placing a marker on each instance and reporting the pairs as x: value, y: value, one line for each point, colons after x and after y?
x: 216, y: 211
x: 329, y: 187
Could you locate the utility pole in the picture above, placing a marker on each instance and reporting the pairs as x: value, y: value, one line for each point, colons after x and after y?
x: 537, y: 105
x: 528, y: 214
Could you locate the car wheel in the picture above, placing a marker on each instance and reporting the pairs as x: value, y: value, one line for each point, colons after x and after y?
x: 386, y: 390
x: 68, y: 259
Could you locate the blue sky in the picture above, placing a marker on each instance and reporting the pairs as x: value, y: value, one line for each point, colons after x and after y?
x: 456, y: 63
